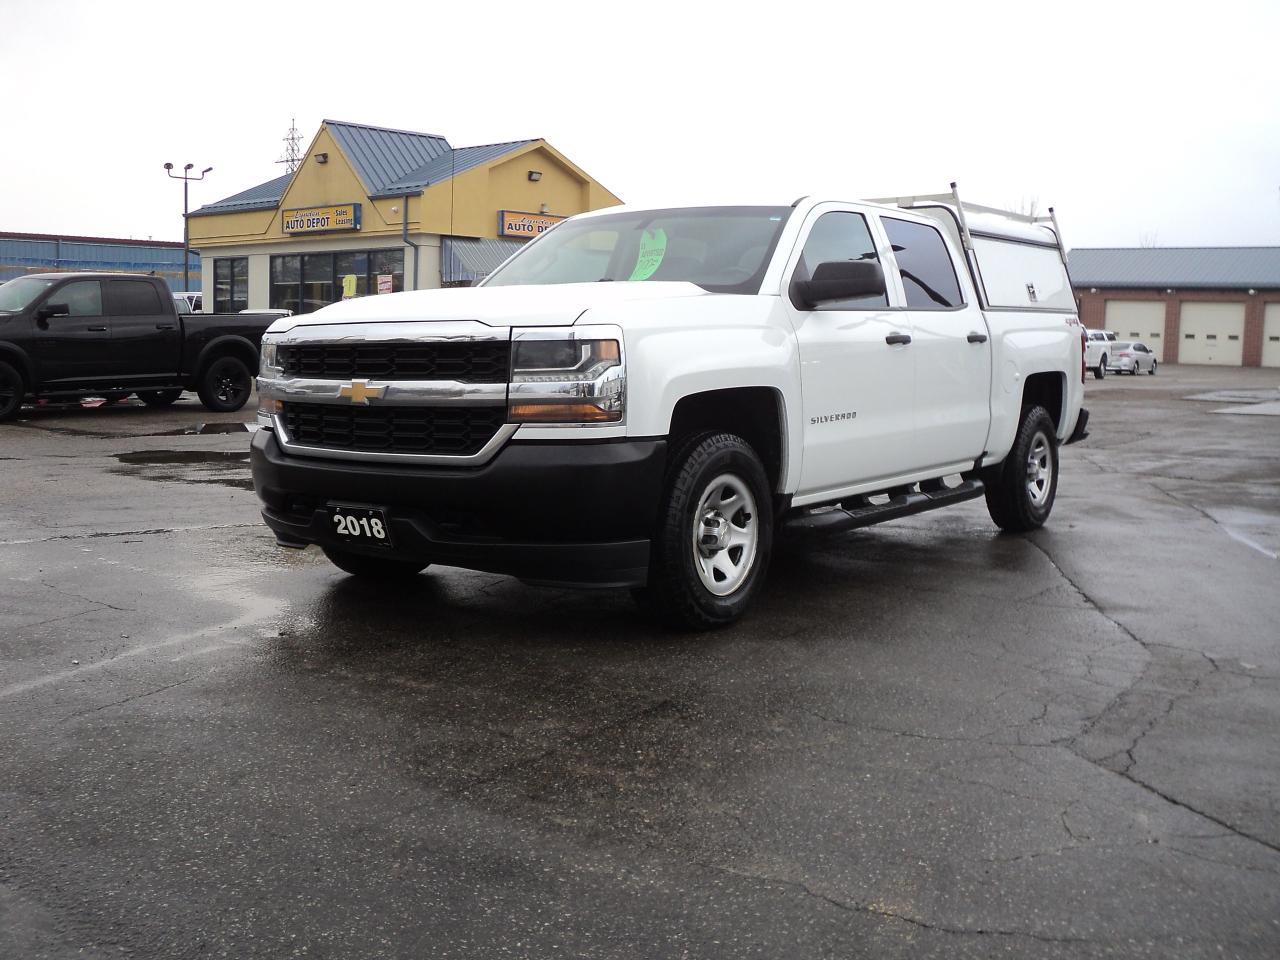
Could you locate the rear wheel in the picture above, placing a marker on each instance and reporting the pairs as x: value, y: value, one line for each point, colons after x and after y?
x: 1021, y: 489
x: 373, y: 568
x: 12, y: 390
x: 1153, y: 368
x: 159, y: 398
x: 226, y: 384
x: 715, y: 534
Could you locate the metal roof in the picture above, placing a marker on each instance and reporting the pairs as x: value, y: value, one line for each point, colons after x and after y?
x: 450, y: 164
x: 262, y: 197
x: 466, y: 258
x: 389, y: 163
x: 382, y: 156
x: 1184, y: 268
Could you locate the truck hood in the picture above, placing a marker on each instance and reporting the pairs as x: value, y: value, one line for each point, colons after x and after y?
x: 526, y: 306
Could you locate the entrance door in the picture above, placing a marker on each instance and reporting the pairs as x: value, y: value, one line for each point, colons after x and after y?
x: 70, y: 349
x: 858, y: 388
x: 145, y: 340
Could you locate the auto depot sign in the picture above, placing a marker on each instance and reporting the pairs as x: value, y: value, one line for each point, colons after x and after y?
x: 515, y: 223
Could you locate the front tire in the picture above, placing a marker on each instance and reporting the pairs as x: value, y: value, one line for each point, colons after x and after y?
x: 225, y: 385
x: 1100, y: 371
x: 715, y: 534
x: 373, y: 568
x: 1021, y: 489
x: 12, y: 389
x: 159, y: 398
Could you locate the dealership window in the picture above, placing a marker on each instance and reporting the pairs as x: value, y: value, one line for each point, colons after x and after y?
x: 230, y: 284
x: 306, y: 282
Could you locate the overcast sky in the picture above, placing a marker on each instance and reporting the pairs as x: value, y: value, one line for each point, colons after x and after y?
x: 1141, y: 123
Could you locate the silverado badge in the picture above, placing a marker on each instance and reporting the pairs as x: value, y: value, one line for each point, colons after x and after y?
x: 359, y: 391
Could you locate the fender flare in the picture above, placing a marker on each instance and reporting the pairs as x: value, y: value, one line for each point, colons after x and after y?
x: 12, y: 353
x: 228, y: 343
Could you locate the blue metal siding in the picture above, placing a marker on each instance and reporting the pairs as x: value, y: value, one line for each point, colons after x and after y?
x: 19, y: 257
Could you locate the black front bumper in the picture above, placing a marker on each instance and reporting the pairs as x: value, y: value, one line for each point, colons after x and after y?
x: 579, y: 513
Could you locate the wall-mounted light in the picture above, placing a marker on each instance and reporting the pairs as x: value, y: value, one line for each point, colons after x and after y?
x: 544, y: 209
x: 1252, y: 292
x: 1169, y: 290
x: 322, y: 158
x: 535, y: 175
x: 1093, y: 289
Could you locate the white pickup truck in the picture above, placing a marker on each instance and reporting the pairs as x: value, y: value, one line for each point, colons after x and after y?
x: 639, y: 397
x: 1097, y: 351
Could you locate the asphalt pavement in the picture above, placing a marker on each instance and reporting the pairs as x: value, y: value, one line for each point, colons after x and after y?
x: 928, y: 739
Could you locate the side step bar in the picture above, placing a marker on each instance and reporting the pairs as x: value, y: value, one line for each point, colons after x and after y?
x: 860, y: 512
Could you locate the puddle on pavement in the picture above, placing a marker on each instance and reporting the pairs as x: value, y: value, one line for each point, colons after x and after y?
x: 223, y: 467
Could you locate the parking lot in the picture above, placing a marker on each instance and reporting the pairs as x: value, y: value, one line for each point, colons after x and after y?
x: 927, y: 740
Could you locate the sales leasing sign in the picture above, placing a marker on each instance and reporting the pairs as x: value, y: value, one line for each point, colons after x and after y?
x: 342, y: 216
x: 513, y: 223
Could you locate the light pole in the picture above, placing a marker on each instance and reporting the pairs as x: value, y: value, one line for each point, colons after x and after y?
x: 186, y: 177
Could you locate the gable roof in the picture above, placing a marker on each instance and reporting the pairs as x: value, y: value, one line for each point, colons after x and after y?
x: 389, y: 163
x: 450, y: 164
x: 1186, y: 268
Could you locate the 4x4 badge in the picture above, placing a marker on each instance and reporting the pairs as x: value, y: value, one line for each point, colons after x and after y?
x: 359, y: 391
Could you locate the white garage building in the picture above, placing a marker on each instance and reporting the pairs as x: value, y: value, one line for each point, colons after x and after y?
x: 1214, y: 305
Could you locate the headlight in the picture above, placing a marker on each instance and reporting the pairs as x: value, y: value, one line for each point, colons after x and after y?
x: 267, y: 364
x: 562, y: 379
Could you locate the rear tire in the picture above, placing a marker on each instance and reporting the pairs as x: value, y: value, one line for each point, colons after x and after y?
x: 12, y: 389
x: 159, y: 398
x: 715, y: 534
x: 373, y: 568
x: 1021, y: 489
x: 1152, y: 371
x: 225, y: 385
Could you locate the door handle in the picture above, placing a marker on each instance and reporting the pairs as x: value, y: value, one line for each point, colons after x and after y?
x: 164, y: 326
x: 97, y: 329
x: 897, y: 338
x: 976, y: 337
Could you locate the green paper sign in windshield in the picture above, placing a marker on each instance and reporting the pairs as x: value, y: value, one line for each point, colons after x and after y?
x: 653, y: 247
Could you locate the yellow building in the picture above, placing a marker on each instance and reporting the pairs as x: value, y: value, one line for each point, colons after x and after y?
x: 372, y: 210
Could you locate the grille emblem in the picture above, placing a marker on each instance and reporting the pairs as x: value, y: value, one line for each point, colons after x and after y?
x: 359, y: 391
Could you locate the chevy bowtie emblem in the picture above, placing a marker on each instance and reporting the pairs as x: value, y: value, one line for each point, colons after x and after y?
x: 359, y: 391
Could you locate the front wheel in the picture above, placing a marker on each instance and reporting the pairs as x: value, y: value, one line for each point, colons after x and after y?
x: 373, y: 568
x: 225, y: 385
x: 1020, y: 490
x: 1100, y: 370
x: 715, y: 534
x: 12, y: 390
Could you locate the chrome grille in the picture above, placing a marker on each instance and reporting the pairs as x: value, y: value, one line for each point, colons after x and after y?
x: 448, y: 430
x: 463, y: 361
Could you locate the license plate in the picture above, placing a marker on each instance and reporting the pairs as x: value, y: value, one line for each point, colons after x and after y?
x: 360, y: 524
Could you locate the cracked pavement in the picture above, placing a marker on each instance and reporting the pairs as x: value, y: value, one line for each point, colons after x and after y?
x: 927, y: 739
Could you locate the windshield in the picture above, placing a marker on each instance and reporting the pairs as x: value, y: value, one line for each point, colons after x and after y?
x: 17, y: 294
x: 721, y: 249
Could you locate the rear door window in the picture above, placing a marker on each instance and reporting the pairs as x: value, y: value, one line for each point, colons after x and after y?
x: 132, y: 298
x: 928, y: 275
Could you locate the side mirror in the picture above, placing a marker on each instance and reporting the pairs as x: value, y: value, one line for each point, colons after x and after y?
x: 839, y: 280
x: 53, y: 310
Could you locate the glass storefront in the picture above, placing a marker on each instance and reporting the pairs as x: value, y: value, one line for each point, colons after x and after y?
x: 306, y: 282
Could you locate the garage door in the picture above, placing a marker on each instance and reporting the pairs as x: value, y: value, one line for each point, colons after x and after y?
x: 1271, y: 336
x: 1212, y: 333
x: 1138, y: 320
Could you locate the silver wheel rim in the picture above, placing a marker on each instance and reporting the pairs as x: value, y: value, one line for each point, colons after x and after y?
x: 1039, y: 470
x: 726, y: 533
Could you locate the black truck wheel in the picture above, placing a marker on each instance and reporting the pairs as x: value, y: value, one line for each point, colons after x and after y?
x: 373, y: 568
x: 1020, y: 489
x: 225, y: 384
x: 715, y: 534
x: 159, y: 398
x: 12, y: 390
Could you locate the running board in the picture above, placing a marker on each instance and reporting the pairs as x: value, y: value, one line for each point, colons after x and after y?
x: 860, y: 512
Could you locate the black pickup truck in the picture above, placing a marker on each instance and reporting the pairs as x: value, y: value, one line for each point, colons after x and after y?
x: 109, y: 334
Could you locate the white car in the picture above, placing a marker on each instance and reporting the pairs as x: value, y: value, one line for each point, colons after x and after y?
x: 1131, y: 356
x: 638, y: 396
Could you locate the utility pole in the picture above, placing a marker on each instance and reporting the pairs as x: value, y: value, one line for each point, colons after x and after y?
x: 186, y: 177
